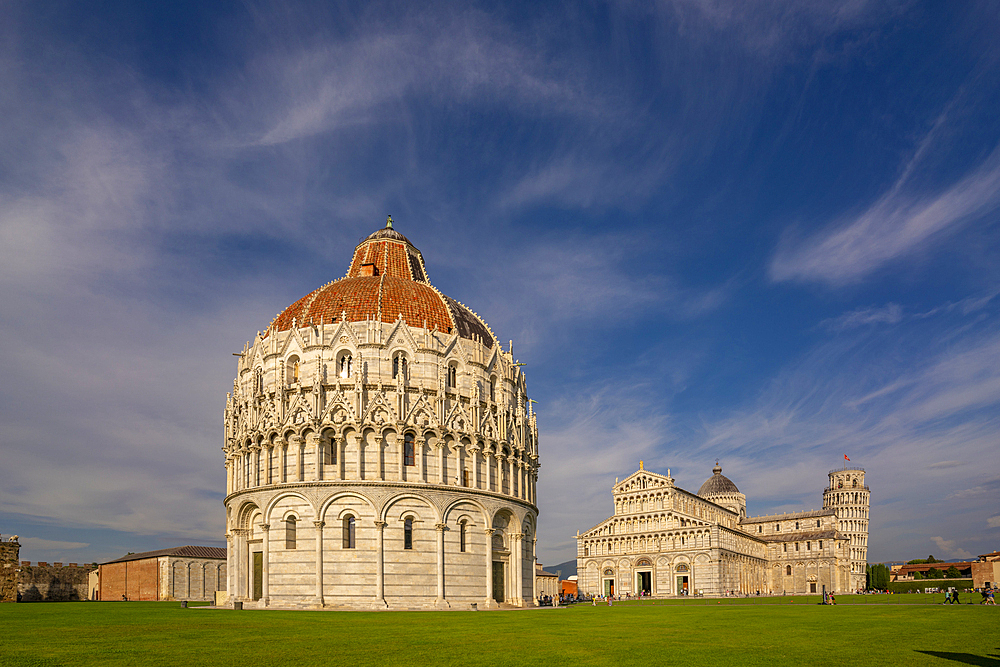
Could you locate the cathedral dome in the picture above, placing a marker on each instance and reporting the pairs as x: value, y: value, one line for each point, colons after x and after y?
x: 386, y: 281
x: 717, y: 484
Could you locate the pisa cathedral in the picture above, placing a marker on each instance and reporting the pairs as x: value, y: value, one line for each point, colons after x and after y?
x: 380, y: 449
x: 664, y: 541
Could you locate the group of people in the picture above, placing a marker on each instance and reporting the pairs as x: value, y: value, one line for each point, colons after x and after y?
x: 951, y: 596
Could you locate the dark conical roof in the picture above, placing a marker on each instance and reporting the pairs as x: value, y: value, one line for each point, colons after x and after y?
x: 717, y: 483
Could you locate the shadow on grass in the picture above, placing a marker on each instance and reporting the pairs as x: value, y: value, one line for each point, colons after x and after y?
x: 967, y: 658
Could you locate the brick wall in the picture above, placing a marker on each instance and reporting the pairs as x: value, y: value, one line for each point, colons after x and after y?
x: 136, y: 579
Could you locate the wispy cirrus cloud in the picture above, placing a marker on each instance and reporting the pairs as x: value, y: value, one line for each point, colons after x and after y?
x: 844, y: 397
x: 895, y: 226
x: 888, y: 314
x: 463, y: 57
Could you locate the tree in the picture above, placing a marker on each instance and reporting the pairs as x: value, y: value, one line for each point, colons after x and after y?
x: 918, y: 575
x: 952, y: 573
x: 935, y: 573
x: 882, y: 576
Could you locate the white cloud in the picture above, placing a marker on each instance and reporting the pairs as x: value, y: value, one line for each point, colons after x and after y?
x: 37, y: 543
x: 993, y: 521
x: 895, y: 226
x: 949, y: 548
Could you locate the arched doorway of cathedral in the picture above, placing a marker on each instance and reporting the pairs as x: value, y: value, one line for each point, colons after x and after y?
x: 644, y: 577
x: 609, y: 582
x: 683, y: 574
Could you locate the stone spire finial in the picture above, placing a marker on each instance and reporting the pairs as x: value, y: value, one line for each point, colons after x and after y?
x: 388, y: 222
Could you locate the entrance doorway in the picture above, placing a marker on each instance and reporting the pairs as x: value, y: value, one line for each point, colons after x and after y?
x: 258, y: 575
x: 682, y: 585
x: 498, y: 587
x: 644, y: 583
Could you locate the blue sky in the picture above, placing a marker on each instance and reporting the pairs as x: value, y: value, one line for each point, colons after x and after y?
x: 760, y: 232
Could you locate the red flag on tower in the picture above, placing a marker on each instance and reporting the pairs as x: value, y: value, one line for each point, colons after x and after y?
x: 845, y: 458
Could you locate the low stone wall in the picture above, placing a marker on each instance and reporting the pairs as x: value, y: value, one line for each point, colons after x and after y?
x: 43, y: 582
x: 9, y: 551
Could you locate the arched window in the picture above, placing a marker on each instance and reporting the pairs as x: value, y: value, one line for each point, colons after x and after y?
x: 788, y: 570
x: 292, y: 368
x: 796, y: 525
x: 346, y: 365
x: 461, y: 536
x: 258, y: 381
x: 290, y: 532
x: 349, y: 532
x: 452, y: 376
x: 399, y: 365
x: 408, y: 452
x: 493, y: 389
x: 408, y: 534
x: 855, y: 484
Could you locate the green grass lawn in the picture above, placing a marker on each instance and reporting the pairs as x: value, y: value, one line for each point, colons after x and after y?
x: 696, y: 632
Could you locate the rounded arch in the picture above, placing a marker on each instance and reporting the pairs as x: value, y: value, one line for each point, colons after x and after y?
x: 386, y: 513
x: 330, y: 500
x: 244, y: 513
x: 483, y: 514
x: 345, y: 362
x: 273, y: 502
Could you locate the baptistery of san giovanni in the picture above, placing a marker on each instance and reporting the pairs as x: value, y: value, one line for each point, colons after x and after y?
x: 380, y: 449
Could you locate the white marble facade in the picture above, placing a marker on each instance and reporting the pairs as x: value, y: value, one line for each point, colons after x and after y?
x: 377, y: 460
x: 664, y: 541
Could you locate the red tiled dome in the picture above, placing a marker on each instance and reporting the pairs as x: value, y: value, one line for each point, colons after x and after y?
x: 386, y: 279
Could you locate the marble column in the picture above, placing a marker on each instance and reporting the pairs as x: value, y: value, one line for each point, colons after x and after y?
x: 441, y: 602
x: 489, y: 602
x: 265, y: 548
x: 401, y: 458
x: 319, y: 561
x: 339, y: 451
x: 255, y: 462
x: 300, y: 460
x: 474, y: 458
x: 379, y: 601
x: 269, y: 478
x: 516, y: 557
x: 380, y: 443
x: 442, y: 472
x: 231, y: 565
x: 317, y: 444
x: 283, y: 473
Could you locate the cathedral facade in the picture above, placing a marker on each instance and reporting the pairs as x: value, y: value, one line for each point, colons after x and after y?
x: 663, y: 541
x: 380, y: 449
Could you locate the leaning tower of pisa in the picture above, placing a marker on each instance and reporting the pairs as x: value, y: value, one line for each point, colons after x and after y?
x: 847, y: 495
